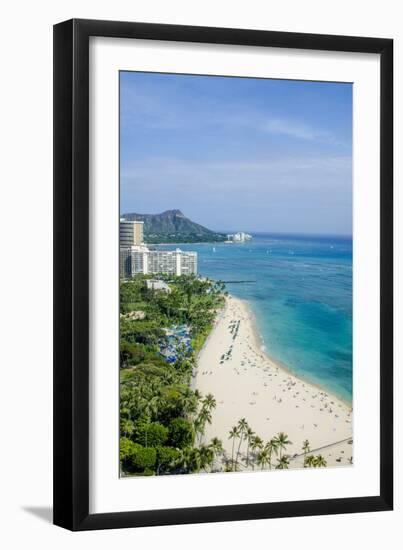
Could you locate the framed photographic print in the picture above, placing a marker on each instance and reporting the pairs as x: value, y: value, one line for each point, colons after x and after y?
x: 223, y: 274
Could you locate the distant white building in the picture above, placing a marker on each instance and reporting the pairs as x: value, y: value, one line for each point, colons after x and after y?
x: 239, y: 237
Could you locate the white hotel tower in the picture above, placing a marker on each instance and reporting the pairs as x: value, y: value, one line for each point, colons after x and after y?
x: 136, y: 257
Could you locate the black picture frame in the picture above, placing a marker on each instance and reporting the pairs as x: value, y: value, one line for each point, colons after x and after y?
x: 71, y: 274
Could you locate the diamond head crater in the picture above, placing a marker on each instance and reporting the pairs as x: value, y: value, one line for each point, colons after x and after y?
x: 172, y: 226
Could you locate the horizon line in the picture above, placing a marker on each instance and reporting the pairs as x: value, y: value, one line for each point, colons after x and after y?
x: 302, y: 233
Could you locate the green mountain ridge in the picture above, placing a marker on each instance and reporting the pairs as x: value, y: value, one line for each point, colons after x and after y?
x: 172, y: 226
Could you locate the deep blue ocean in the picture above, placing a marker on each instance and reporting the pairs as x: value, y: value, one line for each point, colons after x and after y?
x: 301, y: 295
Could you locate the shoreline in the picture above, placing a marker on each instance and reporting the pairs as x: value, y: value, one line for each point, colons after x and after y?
x: 247, y: 382
x: 261, y: 345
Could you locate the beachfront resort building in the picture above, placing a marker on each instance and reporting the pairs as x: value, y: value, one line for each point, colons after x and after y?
x: 136, y: 257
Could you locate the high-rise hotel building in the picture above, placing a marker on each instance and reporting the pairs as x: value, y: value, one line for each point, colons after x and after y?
x: 130, y: 233
x: 136, y: 257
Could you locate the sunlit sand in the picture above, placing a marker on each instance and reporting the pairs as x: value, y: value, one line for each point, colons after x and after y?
x: 247, y: 383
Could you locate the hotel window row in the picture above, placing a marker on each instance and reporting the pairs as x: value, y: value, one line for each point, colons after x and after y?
x: 136, y: 257
x: 136, y: 260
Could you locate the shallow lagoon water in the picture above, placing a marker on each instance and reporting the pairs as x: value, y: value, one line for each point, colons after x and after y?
x: 301, y: 295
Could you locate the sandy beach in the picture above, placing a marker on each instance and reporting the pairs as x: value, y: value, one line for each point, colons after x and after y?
x: 247, y: 383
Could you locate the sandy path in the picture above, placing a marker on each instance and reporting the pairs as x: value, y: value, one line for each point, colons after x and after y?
x: 247, y: 383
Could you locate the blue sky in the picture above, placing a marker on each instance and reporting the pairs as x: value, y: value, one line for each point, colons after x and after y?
x: 238, y: 153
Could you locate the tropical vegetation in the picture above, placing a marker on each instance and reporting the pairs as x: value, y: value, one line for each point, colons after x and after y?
x: 162, y: 419
x: 257, y: 452
x: 248, y: 449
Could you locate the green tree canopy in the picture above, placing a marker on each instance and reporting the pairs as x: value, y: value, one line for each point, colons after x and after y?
x: 181, y: 433
x: 151, y: 434
x: 143, y: 458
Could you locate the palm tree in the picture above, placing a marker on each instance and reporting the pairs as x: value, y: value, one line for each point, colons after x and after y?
x: 209, y: 402
x: 272, y: 447
x: 189, y: 403
x: 306, y: 447
x: 198, y: 427
x: 198, y: 395
x: 282, y: 441
x: 249, y: 436
x: 309, y: 461
x: 283, y: 463
x: 206, y: 456
x: 150, y: 409
x: 191, y: 459
x: 256, y: 445
x: 320, y: 462
x: 186, y: 458
x: 195, y: 459
x: 263, y: 458
x: 126, y: 427
x: 201, y: 421
x: 242, y: 427
x: 233, y: 434
x: 216, y: 447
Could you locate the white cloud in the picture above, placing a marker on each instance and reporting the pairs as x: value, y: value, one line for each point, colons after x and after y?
x: 294, y: 129
x: 218, y: 172
x: 301, y: 193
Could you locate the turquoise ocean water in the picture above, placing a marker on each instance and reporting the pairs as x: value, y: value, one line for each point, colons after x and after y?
x: 301, y: 296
